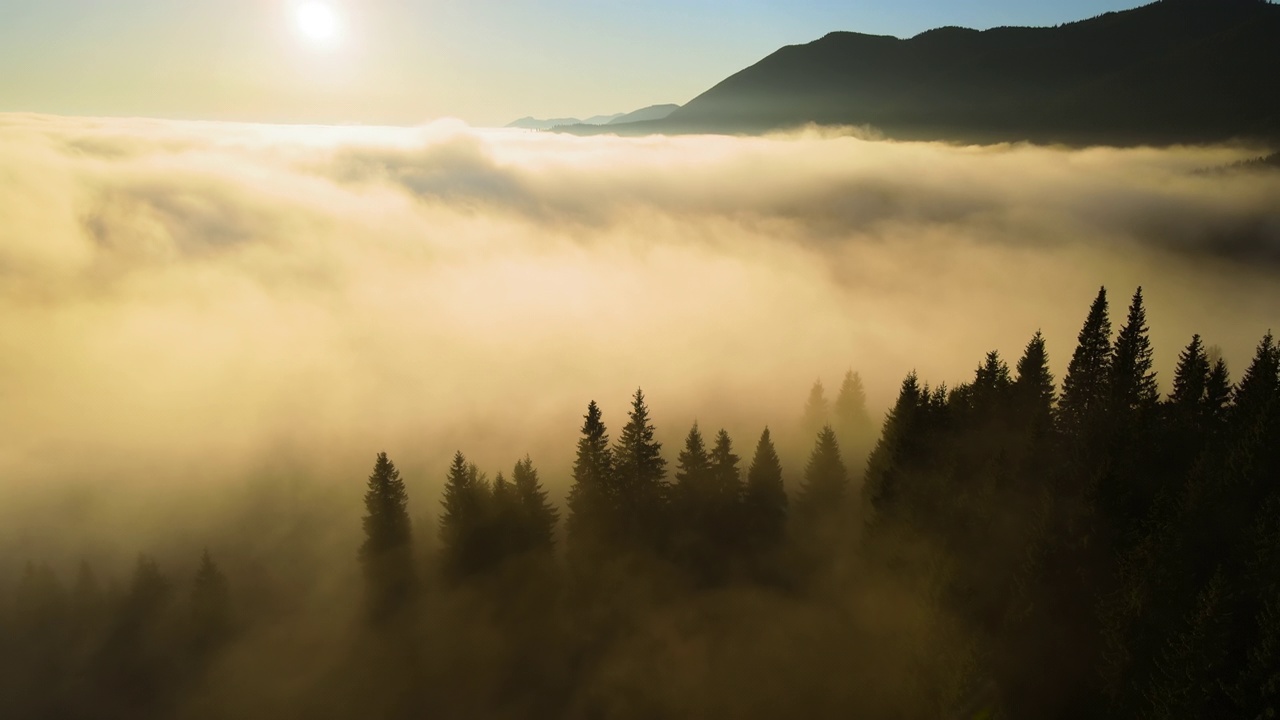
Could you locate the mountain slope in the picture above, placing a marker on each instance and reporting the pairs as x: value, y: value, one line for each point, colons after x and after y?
x: 1173, y: 71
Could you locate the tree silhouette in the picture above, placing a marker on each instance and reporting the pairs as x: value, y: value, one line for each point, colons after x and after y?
x: 464, y: 545
x: 640, y: 473
x: 1085, y: 386
x: 817, y: 411
x: 765, y: 498
x: 593, y: 495
x: 1033, y: 389
x: 825, y: 477
x: 854, y: 427
x: 1133, y: 384
x: 386, y: 554
x: 538, y: 516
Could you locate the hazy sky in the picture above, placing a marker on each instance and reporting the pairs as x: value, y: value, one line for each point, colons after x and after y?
x: 405, y: 61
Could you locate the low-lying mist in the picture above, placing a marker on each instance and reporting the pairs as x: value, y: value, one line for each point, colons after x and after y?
x: 205, y: 325
x: 180, y: 300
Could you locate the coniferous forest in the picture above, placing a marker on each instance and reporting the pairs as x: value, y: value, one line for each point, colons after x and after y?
x: 1100, y: 545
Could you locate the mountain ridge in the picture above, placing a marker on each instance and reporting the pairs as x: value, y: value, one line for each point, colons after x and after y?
x: 1169, y: 72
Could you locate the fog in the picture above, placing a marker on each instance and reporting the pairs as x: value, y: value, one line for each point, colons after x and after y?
x: 204, y: 326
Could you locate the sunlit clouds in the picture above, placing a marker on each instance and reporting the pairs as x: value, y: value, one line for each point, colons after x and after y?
x: 172, y: 293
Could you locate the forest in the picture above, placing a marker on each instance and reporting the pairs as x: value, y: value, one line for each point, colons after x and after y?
x: 1007, y: 547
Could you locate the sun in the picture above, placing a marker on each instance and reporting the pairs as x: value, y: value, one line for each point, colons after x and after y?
x: 318, y: 22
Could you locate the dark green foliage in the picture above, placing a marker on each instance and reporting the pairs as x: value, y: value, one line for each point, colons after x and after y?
x: 386, y: 554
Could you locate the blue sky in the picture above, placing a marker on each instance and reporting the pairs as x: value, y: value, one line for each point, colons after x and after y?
x: 405, y: 61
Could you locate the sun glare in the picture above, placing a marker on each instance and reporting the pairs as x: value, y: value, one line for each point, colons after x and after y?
x: 318, y: 22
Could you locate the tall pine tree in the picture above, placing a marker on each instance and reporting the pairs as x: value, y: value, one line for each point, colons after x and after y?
x: 387, y: 552
x: 1085, y: 386
x: 592, y: 496
x: 640, y: 474
x: 765, y: 498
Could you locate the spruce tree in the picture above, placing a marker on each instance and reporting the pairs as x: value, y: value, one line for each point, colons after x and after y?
x: 854, y: 427
x: 817, y: 411
x: 1217, y: 394
x: 640, y: 473
x: 694, y: 507
x: 693, y: 472
x: 1258, y: 393
x: 1085, y: 386
x: 593, y: 495
x: 386, y: 554
x: 1191, y: 379
x: 1033, y: 389
x: 1133, y: 384
x: 765, y: 498
x: 462, y: 522
x: 825, y: 477
x: 725, y: 474
x: 539, y: 516
x: 886, y: 466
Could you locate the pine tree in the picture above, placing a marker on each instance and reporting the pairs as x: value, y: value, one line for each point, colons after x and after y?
x: 640, y: 473
x: 854, y: 427
x: 503, y: 528
x: 539, y: 517
x: 387, y: 552
x: 725, y: 474
x: 463, y: 545
x: 1085, y: 386
x: 593, y: 496
x: 1217, y: 394
x: 693, y: 471
x: 1133, y: 384
x: 1191, y: 379
x: 1033, y: 389
x: 825, y: 477
x: 1258, y: 394
x: 765, y: 498
x: 817, y: 411
x: 211, y: 620
x: 885, y: 467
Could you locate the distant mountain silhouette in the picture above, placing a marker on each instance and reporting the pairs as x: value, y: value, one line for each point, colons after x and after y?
x: 653, y: 112
x: 1169, y: 72
x: 532, y: 123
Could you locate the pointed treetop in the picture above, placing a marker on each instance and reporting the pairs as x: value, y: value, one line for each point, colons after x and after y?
x: 1133, y: 384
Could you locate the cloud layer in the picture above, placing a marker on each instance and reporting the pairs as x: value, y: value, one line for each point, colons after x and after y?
x: 180, y: 300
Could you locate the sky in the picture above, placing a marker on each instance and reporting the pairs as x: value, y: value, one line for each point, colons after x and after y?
x: 408, y: 61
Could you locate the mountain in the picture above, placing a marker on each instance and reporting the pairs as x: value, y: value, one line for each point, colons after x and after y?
x: 602, y: 119
x: 532, y: 123
x: 1170, y: 72
x: 653, y: 112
